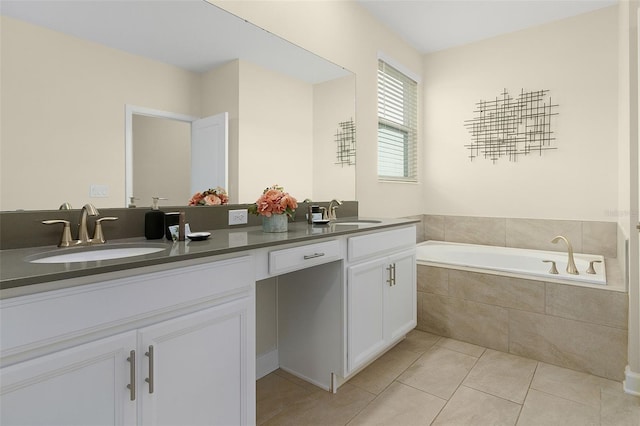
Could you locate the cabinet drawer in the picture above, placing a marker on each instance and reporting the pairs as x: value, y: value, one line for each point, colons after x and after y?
x: 292, y: 259
x: 380, y: 243
x: 36, y: 320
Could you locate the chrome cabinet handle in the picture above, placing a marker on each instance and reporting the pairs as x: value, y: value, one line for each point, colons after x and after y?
x: 132, y: 375
x: 313, y: 256
x: 393, y: 272
x: 390, y: 279
x: 150, y: 378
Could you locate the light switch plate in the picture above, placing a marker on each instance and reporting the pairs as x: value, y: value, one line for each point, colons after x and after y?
x: 238, y: 217
x: 99, y: 191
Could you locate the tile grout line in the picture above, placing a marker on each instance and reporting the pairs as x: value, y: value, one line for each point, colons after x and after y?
x: 460, y: 384
x: 528, y: 389
x: 392, y: 382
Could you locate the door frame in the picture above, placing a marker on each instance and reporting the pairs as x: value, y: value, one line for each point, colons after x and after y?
x: 129, y: 112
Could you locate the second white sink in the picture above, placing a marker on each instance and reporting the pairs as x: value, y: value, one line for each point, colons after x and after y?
x: 88, y: 254
x: 358, y: 222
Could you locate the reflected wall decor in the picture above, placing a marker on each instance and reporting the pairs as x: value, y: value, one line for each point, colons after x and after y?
x: 346, y: 143
x: 508, y: 127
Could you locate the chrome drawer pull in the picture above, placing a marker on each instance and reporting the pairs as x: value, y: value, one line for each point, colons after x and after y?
x: 150, y: 378
x: 132, y: 375
x: 313, y: 256
x: 393, y: 273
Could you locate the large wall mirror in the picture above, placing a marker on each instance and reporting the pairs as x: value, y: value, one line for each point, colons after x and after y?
x: 82, y: 82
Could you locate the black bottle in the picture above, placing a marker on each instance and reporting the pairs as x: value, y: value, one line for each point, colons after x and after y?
x: 154, y: 221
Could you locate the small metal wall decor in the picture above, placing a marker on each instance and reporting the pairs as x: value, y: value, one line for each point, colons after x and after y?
x: 507, y: 127
x: 346, y: 141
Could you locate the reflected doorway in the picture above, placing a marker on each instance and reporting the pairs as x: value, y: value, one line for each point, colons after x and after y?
x: 173, y: 155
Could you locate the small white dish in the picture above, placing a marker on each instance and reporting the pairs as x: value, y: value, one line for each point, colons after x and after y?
x: 321, y: 222
x: 198, y: 236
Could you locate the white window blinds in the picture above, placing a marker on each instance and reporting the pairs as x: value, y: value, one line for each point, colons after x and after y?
x: 397, y: 125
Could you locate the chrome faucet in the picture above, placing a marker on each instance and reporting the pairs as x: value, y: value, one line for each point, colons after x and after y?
x: 83, y: 235
x: 332, y: 209
x: 571, y: 264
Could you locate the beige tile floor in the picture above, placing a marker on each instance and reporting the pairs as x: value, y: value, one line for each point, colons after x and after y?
x: 432, y: 380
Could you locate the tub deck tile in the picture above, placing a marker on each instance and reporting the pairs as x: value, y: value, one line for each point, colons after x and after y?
x: 537, y: 234
x: 602, y: 307
x: 508, y: 292
x: 432, y: 279
x: 473, y: 322
x: 583, y: 346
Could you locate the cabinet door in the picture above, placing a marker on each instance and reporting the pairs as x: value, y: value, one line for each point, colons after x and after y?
x: 196, y: 369
x: 84, y: 385
x: 400, y: 296
x: 365, y: 297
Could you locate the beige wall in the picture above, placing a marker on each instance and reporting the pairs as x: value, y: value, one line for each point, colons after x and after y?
x: 579, y: 67
x: 344, y: 33
x: 331, y: 107
x: 63, y: 118
x: 275, y: 142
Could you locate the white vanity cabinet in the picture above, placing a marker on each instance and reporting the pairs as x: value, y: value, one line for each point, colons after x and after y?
x: 380, y: 293
x: 79, y: 386
x: 172, y: 347
x: 194, y: 368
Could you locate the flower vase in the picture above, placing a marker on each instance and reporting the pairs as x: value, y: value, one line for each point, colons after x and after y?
x: 275, y: 223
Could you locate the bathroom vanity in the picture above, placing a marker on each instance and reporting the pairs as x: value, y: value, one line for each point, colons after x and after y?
x: 169, y: 337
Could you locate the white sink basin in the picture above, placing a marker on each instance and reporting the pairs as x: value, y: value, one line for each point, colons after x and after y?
x: 88, y: 254
x: 358, y: 222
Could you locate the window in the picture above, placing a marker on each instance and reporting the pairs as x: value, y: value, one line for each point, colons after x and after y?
x: 397, y: 125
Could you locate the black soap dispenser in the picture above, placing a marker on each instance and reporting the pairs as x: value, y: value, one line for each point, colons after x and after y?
x: 154, y: 221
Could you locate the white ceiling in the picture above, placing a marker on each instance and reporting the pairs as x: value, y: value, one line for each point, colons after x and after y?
x: 186, y: 33
x: 432, y: 25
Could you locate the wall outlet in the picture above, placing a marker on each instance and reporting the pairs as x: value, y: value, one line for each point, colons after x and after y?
x: 238, y: 217
x: 98, y: 191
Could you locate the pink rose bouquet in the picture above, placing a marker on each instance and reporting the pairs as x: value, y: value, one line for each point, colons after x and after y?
x: 274, y: 201
x: 211, y: 197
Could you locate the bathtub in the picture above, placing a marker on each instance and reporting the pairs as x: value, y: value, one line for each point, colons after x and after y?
x: 523, y: 263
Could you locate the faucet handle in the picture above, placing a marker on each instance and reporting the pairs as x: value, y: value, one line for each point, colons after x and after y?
x: 65, y: 239
x: 590, y: 269
x: 98, y: 235
x: 332, y: 213
x: 553, y: 269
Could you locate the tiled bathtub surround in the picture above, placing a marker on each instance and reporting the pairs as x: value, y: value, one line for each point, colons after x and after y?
x: 576, y: 327
x: 585, y: 236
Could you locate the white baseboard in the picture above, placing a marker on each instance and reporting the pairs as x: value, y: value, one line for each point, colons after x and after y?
x: 631, y: 382
x: 266, y: 363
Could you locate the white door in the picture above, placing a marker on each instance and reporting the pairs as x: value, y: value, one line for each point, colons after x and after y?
x: 209, y: 148
x: 400, y: 300
x: 193, y: 368
x: 365, y: 301
x: 84, y: 385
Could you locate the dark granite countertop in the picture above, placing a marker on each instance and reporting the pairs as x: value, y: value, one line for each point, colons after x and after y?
x: 16, y: 270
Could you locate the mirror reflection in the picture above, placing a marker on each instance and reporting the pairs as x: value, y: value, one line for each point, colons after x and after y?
x: 71, y: 79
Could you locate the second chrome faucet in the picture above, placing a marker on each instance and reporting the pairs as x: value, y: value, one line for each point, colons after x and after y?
x: 571, y: 264
x: 66, y: 240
